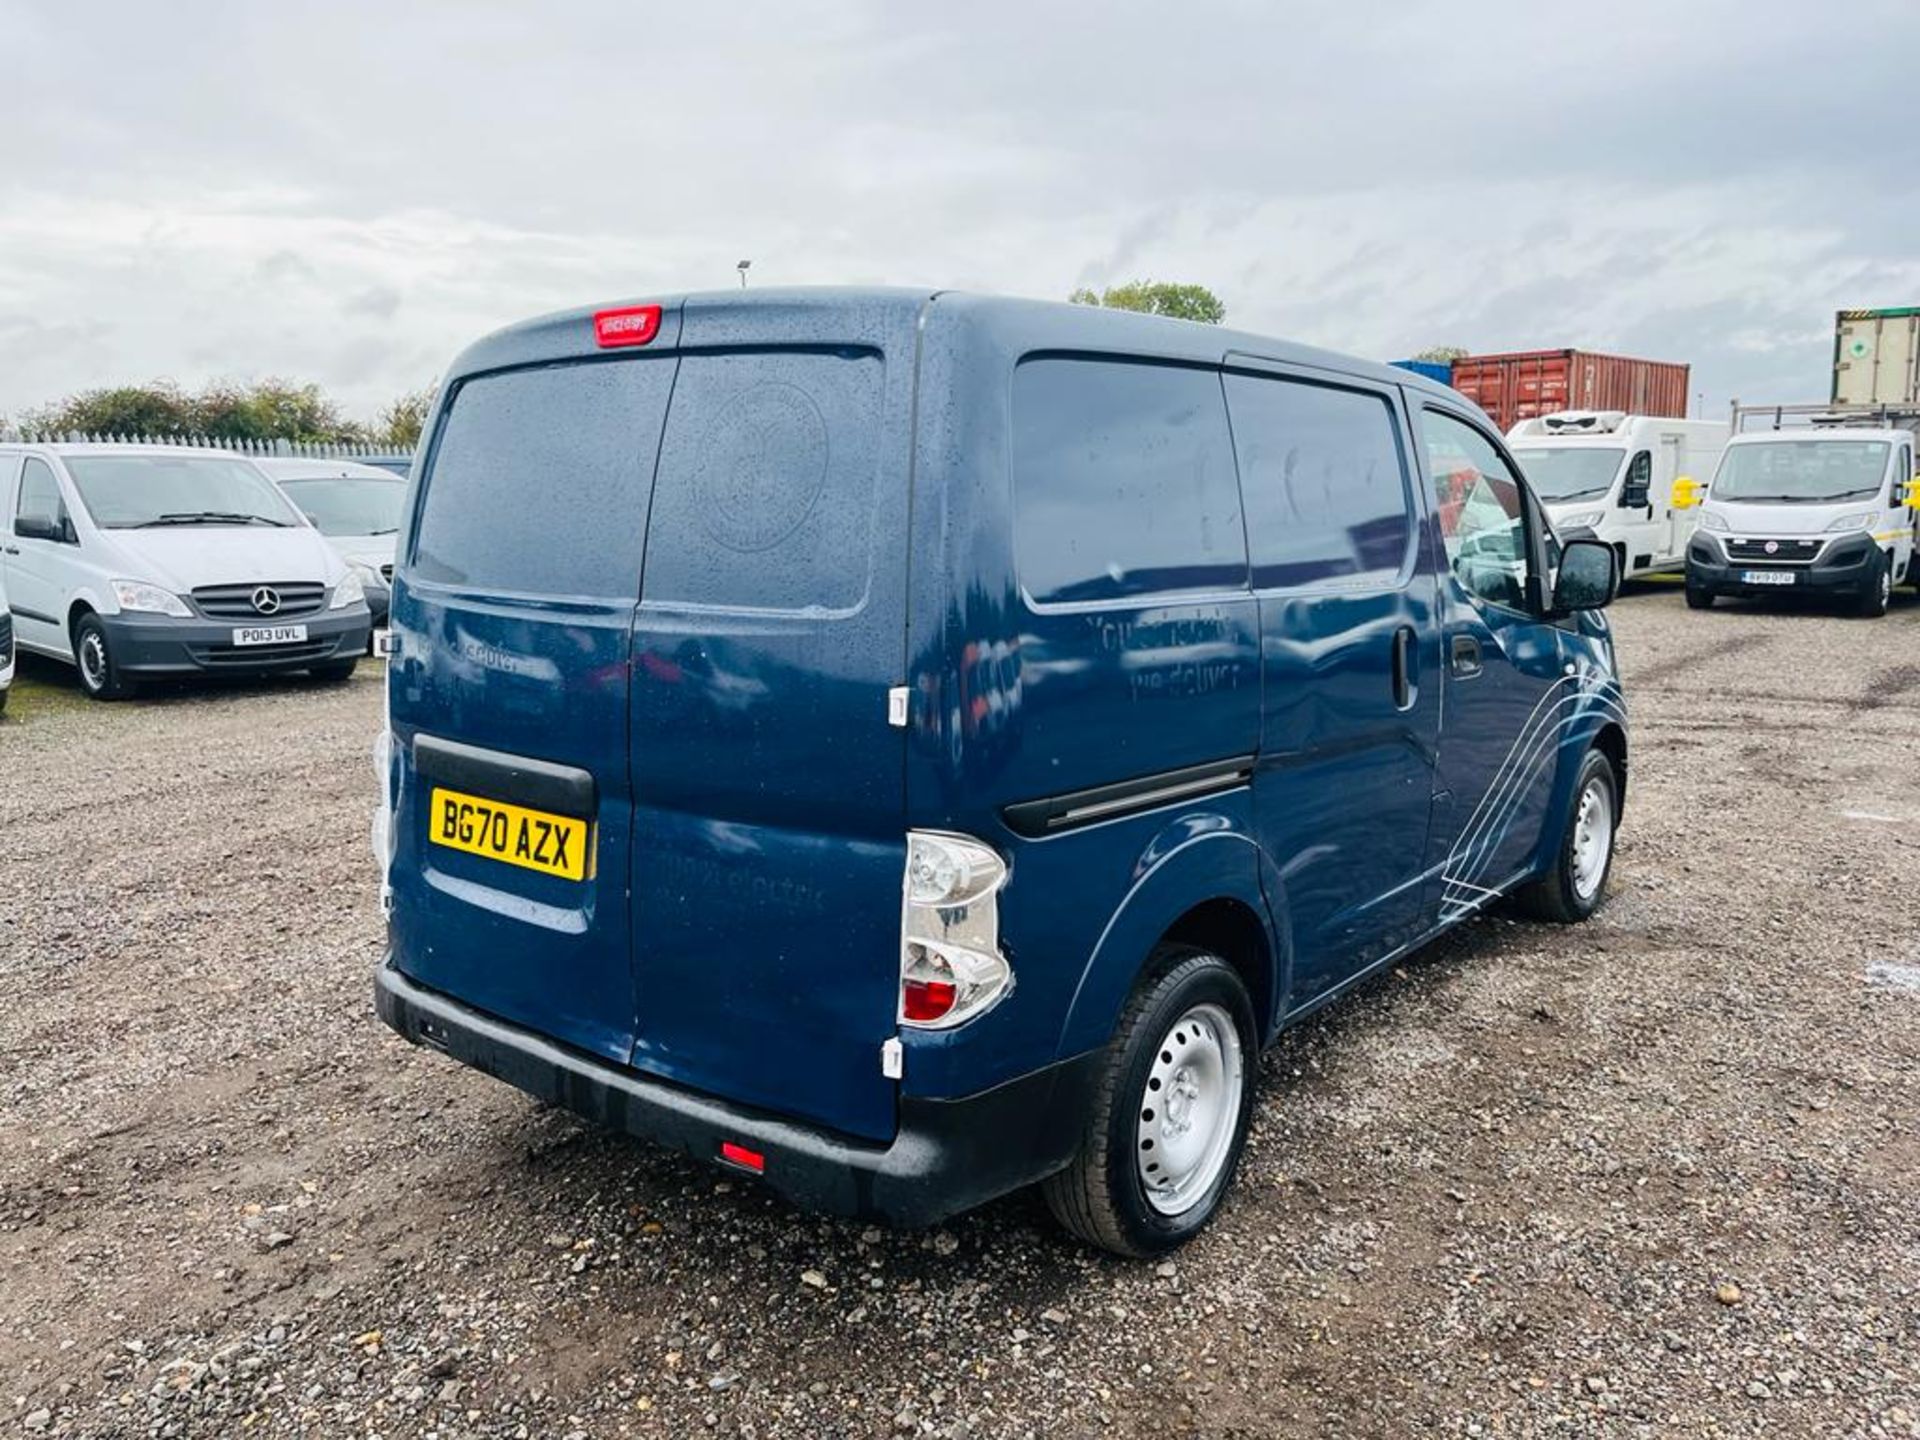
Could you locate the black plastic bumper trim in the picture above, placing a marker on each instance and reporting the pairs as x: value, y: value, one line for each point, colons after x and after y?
x: 947, y: 1155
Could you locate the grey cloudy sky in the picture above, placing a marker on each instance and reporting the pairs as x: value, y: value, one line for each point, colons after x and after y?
x: 349, y: 192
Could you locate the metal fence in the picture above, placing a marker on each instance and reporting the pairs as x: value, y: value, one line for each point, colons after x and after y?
x: 307, y: 449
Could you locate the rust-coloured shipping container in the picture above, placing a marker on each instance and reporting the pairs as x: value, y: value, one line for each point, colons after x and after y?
x: 1519, y: 386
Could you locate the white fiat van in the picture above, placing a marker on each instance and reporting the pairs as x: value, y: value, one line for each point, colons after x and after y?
x: 1829, y: 508
x: 131, y: 561
x: 1608, y: 476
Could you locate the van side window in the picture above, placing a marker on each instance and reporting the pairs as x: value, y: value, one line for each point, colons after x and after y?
x: 538, y: 482
x: 40, y: 494
x: 764, y: 498
x: 1123, y: 481
x: 1639, y: 480
x: 1324, y: 480
x: 1478, y: 503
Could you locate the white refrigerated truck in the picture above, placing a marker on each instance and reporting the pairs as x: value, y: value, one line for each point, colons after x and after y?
x: 1610, y: 476
x: 1810, y: 499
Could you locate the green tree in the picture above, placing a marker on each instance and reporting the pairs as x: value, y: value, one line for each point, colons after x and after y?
x: 263, y: 410
x: 400, y: 423
x: 1442, y: 354
x: 270, y: 410
x: 156, y: 409
x: 1158, y: 297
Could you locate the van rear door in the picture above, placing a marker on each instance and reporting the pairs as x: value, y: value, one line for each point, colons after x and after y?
x: 768, y: 839
x: 513, y: 612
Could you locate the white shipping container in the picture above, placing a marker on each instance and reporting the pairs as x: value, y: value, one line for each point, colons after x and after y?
x: 1876, y: 357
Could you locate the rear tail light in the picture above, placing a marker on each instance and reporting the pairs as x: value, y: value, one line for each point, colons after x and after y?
x: 951, y: 968
x: 630, y: 325
x: 743, y: 1157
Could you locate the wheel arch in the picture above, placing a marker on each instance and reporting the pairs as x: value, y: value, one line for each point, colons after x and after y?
x: 1210, y: 890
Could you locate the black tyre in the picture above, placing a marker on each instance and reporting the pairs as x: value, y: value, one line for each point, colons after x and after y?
x: 93, y: 656
x: 1699, y: 597
x: 334, y: 671
x: 1577, y: 884
x: 1872, y: 602
x: 1170, y: 1110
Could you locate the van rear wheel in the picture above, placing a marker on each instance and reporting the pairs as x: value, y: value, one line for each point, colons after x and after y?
x: 1170, y: 1110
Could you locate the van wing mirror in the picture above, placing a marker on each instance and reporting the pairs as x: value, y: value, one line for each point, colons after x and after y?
x: 1634, y: 495
x: 1588, y: 579
x: 1687, y: 493
x: 38, y: 527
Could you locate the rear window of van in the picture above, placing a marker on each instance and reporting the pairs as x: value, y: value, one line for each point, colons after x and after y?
x: 1123, y: 481
x: 765, y: 494
x: 539, y: 480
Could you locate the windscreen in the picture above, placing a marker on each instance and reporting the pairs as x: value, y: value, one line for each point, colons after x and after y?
x: 132, y: 492
x: 1805, y: 472
x: 347, y: 505
x: 1569, y: 472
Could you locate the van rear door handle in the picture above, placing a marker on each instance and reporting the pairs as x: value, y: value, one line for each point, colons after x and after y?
x: 1403, y: 667
x: 1466, y: 656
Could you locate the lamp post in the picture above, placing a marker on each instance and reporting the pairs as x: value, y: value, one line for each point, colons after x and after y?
x: 743, y: 267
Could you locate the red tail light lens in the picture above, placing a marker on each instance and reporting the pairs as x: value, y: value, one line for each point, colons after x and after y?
x: 633, y: 325
x: 746, y: 1159
x: 925, y: 1000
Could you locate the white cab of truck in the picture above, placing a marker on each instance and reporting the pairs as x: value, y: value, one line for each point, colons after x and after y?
x: 1825, y: 508
x: 1609, y: 476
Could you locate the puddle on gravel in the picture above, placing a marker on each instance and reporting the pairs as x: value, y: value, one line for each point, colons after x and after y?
x: 1894, y: 977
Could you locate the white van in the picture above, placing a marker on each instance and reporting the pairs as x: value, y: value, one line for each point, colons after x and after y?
x: 1607, y: 475
x: 1826, y: 508
x: 130, y: 561
x: 357, y: 507
x: 6, y: 646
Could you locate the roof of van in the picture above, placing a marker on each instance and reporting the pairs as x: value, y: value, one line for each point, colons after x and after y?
x: 115, y: 447
x: 1063, y: 325
x: 298, y: 467
x: 1822, y: 432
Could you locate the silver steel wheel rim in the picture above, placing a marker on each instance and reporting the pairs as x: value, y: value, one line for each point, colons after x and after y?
x: 1592, y: 838
x: 93, y: 660
x: 1190, y: 1109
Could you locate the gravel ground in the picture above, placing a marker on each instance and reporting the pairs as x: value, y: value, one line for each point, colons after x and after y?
x: 1655, y: 1174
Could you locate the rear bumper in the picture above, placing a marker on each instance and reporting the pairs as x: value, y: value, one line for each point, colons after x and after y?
x: 162, y: 645
x: 948, y: 1155
x: 1844, y: 568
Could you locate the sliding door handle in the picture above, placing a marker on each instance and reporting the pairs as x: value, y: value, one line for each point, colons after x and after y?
x: 1465, y: 656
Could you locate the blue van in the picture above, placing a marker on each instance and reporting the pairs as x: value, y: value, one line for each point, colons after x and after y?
x: 908, y: 746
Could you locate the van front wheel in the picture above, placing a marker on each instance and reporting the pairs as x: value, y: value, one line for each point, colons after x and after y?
x: 1574, y: 888
x: 93, y: 657
x: 1170, y: 1110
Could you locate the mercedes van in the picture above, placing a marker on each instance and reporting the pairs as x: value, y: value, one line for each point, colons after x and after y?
x: 1610, y: 476
x: 1827, y: 509
x: 357, y: 507
x: 905, y: 746
x: 130, y: 562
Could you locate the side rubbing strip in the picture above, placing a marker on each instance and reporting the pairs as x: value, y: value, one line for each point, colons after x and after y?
x: 1126, y: 797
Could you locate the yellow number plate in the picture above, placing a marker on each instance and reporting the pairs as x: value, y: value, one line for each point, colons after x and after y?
x: 531, y: 839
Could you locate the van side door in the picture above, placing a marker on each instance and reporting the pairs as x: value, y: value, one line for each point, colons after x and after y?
x: 1350, y: 662
x: 1675, y: 527
x: 1506, y: 699
x: 39, y: 567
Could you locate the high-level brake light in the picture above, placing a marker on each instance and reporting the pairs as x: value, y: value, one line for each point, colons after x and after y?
x: 629, y: 325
